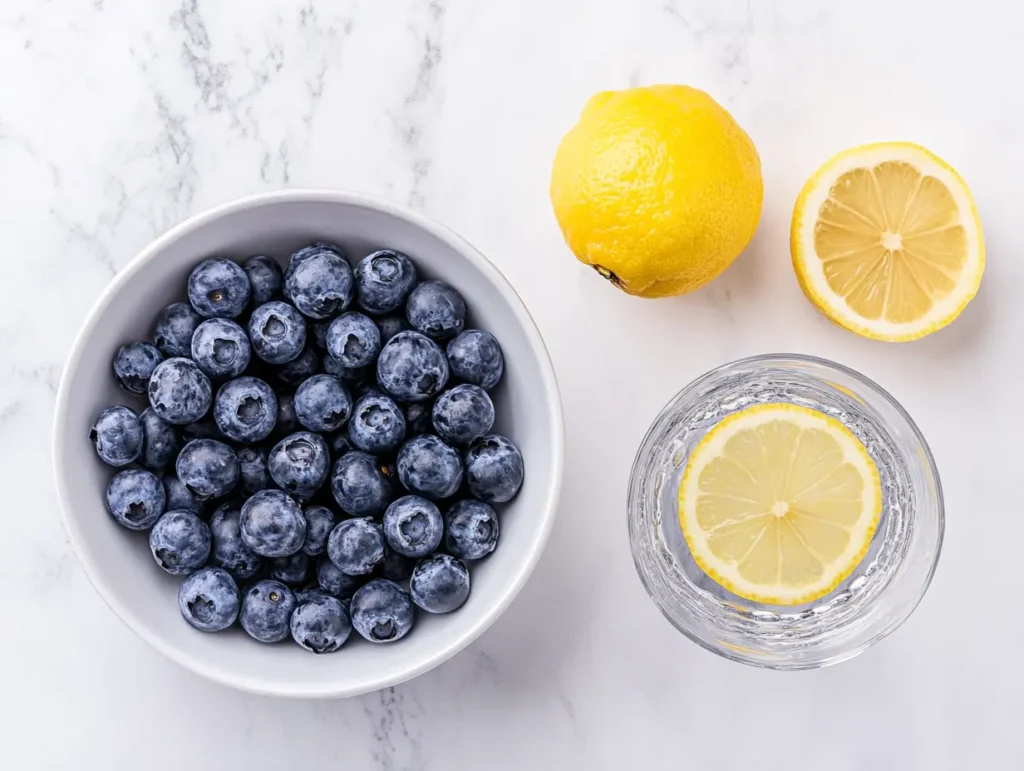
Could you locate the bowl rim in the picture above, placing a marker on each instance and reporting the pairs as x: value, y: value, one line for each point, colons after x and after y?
x: 324, y: 689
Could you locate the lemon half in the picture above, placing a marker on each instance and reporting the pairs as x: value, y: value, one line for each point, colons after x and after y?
x: 886, y: 241
x: 779, y: 502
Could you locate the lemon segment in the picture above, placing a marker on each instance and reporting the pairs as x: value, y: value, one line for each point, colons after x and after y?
x: 886, y: 241
x: 779, y: 503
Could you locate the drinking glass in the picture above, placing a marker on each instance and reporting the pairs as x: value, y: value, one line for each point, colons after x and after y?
x: 872, y: 601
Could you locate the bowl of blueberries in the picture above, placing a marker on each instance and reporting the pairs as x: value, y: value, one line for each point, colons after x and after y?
x: 309, y: 444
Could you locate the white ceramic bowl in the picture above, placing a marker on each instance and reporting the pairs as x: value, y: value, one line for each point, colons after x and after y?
x: 118, y: 561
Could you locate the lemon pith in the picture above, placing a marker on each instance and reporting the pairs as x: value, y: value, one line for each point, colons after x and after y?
x: 779, y: 503
x: 886, y: 241
x: 657, y: 188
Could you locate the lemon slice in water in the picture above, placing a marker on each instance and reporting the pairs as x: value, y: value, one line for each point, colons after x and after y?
x: 779, y: 502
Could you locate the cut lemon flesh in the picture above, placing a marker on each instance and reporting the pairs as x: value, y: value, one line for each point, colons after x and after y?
x: 778, y: 503
x: 886, y: 241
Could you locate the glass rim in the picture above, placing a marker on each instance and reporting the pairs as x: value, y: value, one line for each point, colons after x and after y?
x: 634, y: 500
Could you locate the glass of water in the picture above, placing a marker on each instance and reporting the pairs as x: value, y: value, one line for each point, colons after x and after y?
x: 883, y: 589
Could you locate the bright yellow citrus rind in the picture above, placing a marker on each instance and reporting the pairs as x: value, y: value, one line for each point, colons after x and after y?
x: 886, y: 241
x: 657, y: 188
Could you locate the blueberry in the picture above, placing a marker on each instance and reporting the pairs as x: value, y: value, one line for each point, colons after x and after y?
x: 328, y: 245
x: 299, y: 463
x: 471, y: 529
x: 462, y: 414
x: 321, y: 625
x: 160, y: 441
x: 266, y: 608
x: 180, y: 542
x: 307, y: 593
x: 494, y: 469
x: 319, y: 281
x: 201, y: 429
x: 377, y: 425
x: 134, y: 364
x: 303, y: 366
x: 136, y: 499
x: 264, y: 278
x: 383, y: 281
x: 413, y: 526
x: 349, y: 375
x: 259, y: 368
x: 439, y: 584
x: 292, y: 570
x: 334, y: 582
x: 382, y: 611
x: 429, y: 467
x: 319, y: 523
x: 338, y: 443
x: 319, y: 330
x: 412, y: 368
x: 356, y: 546
x: 334, y: 367
x: 208, y: 468
x: 395, y: 567
x: 272, y: 524
x: 436, y: 309
x: 179, y: 498
x: 474, y: 356
x: 208, y: 600
x: 277, y: 331
x: 390, y: 326
x: 221, y: 348
x: 287, y: 420
x: 322, y: 403
x: 228, y: 550
x: 218, y: 289
x: 418, y: 418
x: 118, y: 436
x: 252, y: 467
x: 174, y: 328
x: 179, y: 391
x: 353, y: 340
x: 245, y: 409
x: 359, y: 485
x: 364, y: 388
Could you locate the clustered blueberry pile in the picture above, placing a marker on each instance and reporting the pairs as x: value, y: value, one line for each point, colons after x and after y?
x: 308, y: 447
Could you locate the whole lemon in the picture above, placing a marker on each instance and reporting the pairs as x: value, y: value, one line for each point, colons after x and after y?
x: 657, y: 188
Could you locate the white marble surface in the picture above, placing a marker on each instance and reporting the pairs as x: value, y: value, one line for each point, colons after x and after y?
x: 119, y: 118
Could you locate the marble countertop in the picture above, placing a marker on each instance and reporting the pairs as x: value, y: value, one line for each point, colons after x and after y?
x: 120, y: 118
